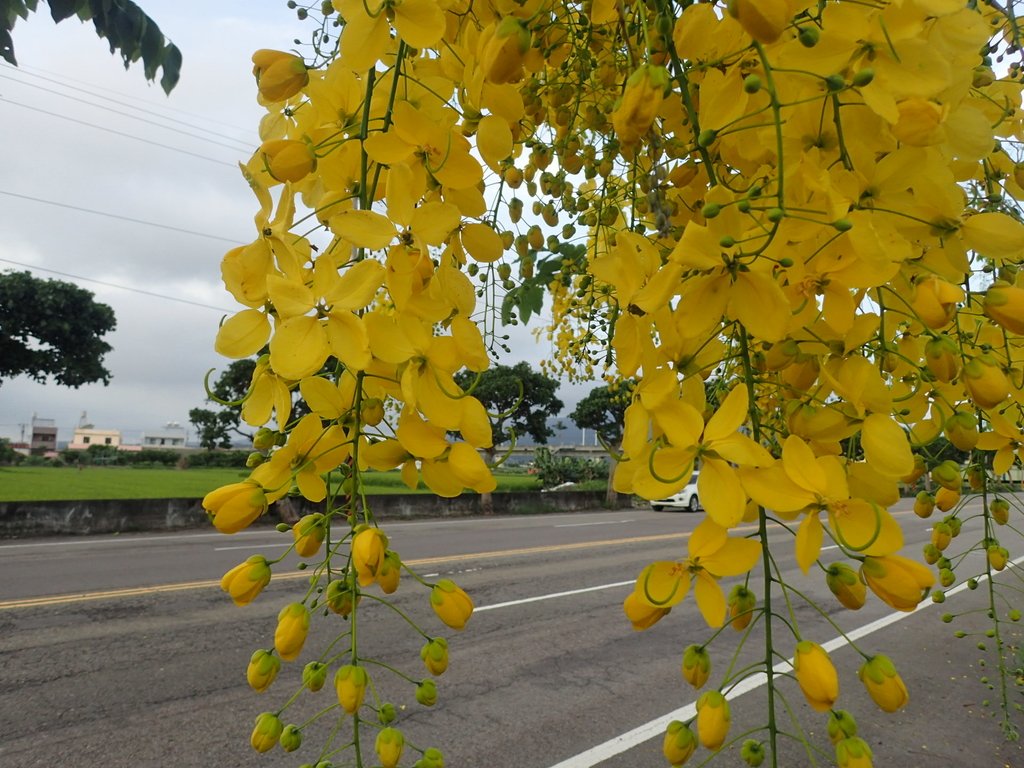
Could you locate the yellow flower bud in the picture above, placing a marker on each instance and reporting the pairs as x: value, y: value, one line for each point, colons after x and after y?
x: 266, y: 733
x: 752, y: 752
x: 997, y: 556
x: 288, y: 159
x: 986, y: 382
x: 696, y: 665
x: 501, y: 52
x: 339, y: 597
x: 432, y: 758
x: 435, y: 656
x: 451, y: 604
x: 853, y: 752
x: 426, y: 693
x: 350, y: 684
x: 1004, y: 304
x: 389, y: 745
x: 1000, y: 510
x: 263, y: 668
x: 309, y: 533
x: 368, y: 548
x: 945, y: 499
x: 919, y: 120
x: 942, y: 358
x: 947, y: 474
x: 279, y: 75
x: 246, y: 580
x: 934, y: 301
x: 641, y: 615
x: 314, y: 675
x: 917, y: 473
x: 645, y: 90
x: 372, y: 411
x: 883, y: 683
x: 390, y: 572
x: 291, y: 738
x: 741, y: 604
x: 291, y: 632
x: 942, y: 534
x: 841, y: 725
x: 924, y: 504
x: 235, y: 507
x: 898, y: 581
x: 712, y: 719
x: 679, y: 743
x: 816, y: 675
x: 961, y: 430
x: 844, y: 583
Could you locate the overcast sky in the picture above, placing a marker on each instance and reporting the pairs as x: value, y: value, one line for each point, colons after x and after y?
x: 73, y: 127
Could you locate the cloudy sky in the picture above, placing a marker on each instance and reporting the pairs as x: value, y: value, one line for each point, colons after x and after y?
x: 80, y: 132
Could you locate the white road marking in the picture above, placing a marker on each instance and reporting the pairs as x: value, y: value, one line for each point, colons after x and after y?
x: 833, y: 546
x: 602, y: 522
x: 656, y: 728
x: 552, y: 596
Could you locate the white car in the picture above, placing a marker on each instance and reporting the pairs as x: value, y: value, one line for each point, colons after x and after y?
x: 685, y: 499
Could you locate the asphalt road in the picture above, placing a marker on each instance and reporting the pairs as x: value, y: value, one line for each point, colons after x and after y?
x: 122, y: 651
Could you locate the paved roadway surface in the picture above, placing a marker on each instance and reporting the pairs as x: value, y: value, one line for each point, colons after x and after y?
x: 121, y: 651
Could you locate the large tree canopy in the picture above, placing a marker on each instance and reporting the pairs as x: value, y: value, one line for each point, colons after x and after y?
x: 124, y: 25
x: 49, y: 328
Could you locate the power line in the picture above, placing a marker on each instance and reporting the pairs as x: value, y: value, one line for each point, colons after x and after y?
x: 117, y: 133
x: 30, y: 70
x: 115, y: 285
x: 126, y: 114
x: 118, y: 216
x: 63, y: 83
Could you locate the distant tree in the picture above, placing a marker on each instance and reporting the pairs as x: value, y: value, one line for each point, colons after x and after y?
x: 49, y: 328
x: 603, y: 410
x: 215, y: 426
x: 126, y: 27
x: 520, y: 401
x: 7, y: 454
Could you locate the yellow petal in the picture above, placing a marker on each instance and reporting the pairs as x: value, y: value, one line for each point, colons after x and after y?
x: 323, y: 397
x: 475, y: 425
x: 720, y: 493
x: 439, y: 478
x: 419, y: 22
x: 710, y: 599
x: 707, y: 538
x: 886, y: 447
x: 433, y: 222
x: 290, y: 297
x: 757, y: 301
x: 470, y: 344
x: 773, y: 489
x: 735, y: 557
x: 494, y: 140
x: 741, y: 450
x: 866, y: 528
x: 364, y: 229
x: 470, y: 468
x: 662, y: 584
x: 802, y: 466
x: 384, y: 455
x: 357, y: 286
x: 482, y: 242
x: 730, y: 415
x: 995, y: 235
x: 299, y: 347
x: 243, y: 334
x: 419, y: 437
x: 348, y: 340
x: 387, y: 341
x: 387, y: 148
x: 808, y: 541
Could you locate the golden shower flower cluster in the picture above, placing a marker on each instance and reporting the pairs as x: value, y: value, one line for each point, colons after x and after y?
x: 791, y: 225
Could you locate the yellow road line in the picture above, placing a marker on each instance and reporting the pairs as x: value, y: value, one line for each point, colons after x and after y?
x: 81, y: 597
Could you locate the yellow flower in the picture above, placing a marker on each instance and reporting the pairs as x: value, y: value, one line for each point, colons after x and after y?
x: 645, y: 90
x: 679, y: 743
x: 262, y: 670
x: 1004, y: 303
x: 1006, y: 439
x: 898, y: 581
x: 368, y: 548
x: 291, y: 632
x: 640, y: 614
x: 712, y: 719
x: 844, y: 583
x: 884, y: 683
x: 501, y: 50
x: 310, y: 452
x: 246, y: 580
x: 816, y: 675
x: 309, y: 533
x: 388, y: 746
x: 350, y: 684
x: 279, y: 75
x: 696, y: 665
x: 234, y: 507
x: 712, y: 555
x: 853, y: 752
x: 451, y: 604
x: 266, y: 733
x: 435, y: 655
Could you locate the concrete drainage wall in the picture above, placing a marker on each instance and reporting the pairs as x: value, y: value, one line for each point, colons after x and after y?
x: 22, y: 519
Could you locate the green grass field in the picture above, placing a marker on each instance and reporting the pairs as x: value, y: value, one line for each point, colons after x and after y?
x: 71, y: 484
